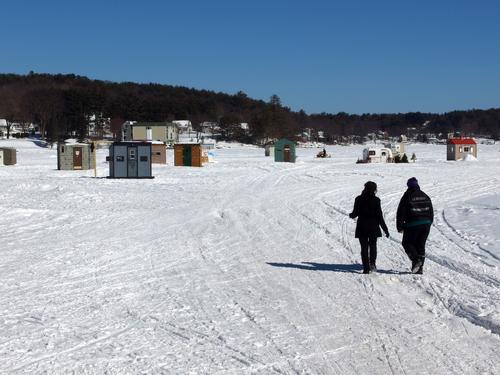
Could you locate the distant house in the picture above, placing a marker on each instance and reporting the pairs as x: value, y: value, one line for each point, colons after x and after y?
x: 3, y: 127
x: 210, y: 128
x: 184, y: 126
x: 245, y: 127
x: 166, y: 132
x: 458, y: 148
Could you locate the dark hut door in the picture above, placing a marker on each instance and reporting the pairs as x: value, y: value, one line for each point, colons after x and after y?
x: 187, y: 156
x: 77, y: 158
x: 286, y: 154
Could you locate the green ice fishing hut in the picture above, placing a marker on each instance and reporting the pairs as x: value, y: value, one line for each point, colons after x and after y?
x: 284, y: 151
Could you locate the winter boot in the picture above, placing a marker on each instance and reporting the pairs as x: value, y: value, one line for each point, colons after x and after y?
x: 417, y: 266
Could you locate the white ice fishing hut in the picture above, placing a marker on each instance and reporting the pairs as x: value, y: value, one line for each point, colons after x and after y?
x: 377, y: 155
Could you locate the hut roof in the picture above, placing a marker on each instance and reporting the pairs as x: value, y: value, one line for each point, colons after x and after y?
x: 461, y: 141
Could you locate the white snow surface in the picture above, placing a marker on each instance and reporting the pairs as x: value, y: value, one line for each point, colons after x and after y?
x: 245, y: 266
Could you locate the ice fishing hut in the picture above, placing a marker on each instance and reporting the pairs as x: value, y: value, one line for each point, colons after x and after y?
x: 284, y: 151
x: 130, y: 160
x: 376, y: 155
x: 187, y: 155
x: 8, y: 156
x: 75, y: 156
x: 459, y: 148
x: 158, y: 153
x: 268, y: 149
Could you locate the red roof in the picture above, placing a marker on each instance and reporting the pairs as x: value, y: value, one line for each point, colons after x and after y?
x: 461, y: 141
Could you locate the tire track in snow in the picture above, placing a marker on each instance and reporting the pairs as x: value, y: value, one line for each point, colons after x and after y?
x: 471, y: 243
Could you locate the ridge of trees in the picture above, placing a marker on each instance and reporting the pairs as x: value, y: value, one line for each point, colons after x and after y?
x: 64, y: 103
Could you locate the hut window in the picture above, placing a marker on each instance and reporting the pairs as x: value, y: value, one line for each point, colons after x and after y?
x: 144, y: 158
x: 466, y: 149
x: 460, y: 149
x: 158, y: 153
x: 452, y: 149
x: 62, y: 149
x: 120, y: 158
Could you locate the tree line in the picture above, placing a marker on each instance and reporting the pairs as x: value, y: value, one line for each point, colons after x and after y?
x: 65, y: 104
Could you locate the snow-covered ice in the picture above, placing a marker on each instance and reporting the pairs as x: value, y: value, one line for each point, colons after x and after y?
x: 245, y: 266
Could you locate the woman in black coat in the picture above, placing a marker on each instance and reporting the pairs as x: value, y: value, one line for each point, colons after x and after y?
x: 370, y: 218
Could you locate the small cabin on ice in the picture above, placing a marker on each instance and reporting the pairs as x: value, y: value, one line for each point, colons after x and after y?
x: 284, y: 151
x: 8, y: 156
x: 75, y: 156
x: 458, y: 148
x: 130, y: 160
x: 187, y: 155
x: 377, y: 155
x: 158, y: 153
x: 268, y: 149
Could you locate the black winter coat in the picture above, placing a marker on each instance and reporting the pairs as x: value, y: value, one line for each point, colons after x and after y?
x: 415, y: 207
x: 370, y: 218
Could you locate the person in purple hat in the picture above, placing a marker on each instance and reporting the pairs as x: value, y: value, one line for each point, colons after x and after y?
x: 414, y: 219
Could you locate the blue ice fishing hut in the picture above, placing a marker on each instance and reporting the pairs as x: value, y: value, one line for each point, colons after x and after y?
x: 130, y: 160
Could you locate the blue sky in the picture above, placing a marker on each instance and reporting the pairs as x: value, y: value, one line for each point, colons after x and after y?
x: 320, y: 56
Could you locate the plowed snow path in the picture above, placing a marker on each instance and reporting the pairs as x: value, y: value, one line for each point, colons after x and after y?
x: 243, y: 266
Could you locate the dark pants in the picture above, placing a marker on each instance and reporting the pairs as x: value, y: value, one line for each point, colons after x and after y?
x: 414, y: 239
x: 368, y: 251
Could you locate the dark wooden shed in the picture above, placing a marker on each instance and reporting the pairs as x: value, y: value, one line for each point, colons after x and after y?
x: 187, y: 155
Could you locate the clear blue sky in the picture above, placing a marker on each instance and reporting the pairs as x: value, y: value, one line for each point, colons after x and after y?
x: 331, y: 56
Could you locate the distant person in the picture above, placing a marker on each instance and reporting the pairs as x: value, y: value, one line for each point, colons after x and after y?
x: 324, y: 152
x: 414, y: 218
x: 370, y: 218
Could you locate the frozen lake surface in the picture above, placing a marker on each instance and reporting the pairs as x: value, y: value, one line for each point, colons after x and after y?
x: 245, y: 266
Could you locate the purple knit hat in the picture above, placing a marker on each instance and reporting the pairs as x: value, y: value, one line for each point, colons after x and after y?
x: 412, y: 183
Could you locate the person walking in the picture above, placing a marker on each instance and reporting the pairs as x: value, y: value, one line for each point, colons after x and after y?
x: 414, y: 218
x: 370, y: 218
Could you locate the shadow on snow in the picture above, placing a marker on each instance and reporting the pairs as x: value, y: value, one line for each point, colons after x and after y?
x: 347, y: 268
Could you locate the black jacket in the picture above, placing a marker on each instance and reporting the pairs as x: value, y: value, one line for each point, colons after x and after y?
x: 370, y: 218
x: 415, y: 208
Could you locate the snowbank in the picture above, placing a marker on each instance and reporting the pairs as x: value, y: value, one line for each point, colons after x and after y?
x: 469, y: 157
